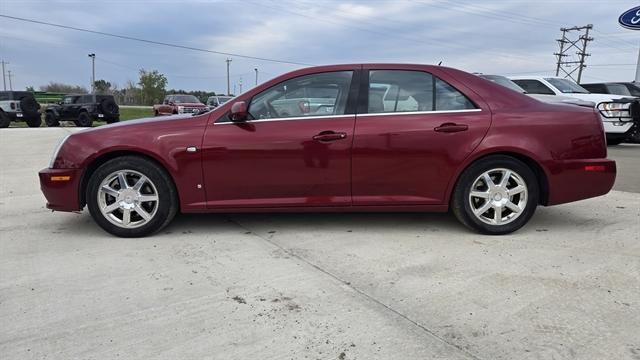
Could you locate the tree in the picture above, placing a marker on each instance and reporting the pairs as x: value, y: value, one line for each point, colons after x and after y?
x: 63, y: 88
x: 102, y: 87
x: 152, y: 85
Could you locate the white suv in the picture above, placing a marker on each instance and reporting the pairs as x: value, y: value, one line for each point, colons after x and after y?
x: 616, y: 129
x: 19, y: 105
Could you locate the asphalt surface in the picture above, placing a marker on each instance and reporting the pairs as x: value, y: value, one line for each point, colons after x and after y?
x: 317, y: 286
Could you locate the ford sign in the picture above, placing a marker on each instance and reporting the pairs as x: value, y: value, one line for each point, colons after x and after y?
x: 630, y: 19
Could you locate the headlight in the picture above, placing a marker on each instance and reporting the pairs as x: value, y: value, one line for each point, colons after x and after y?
x: 180, y: 109
x: 615, y: 109
x: 57, y: 150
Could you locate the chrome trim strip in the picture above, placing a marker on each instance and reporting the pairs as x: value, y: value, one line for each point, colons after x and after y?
x: 421, y: 112
x: 286, y: 119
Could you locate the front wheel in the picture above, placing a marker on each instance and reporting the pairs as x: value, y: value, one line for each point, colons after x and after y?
x: 496, y: 195
x: 130, y: 196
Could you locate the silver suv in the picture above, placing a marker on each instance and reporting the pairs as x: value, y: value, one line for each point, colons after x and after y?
x: 19, y: 106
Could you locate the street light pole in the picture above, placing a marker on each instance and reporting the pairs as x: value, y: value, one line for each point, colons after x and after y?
x: 4, y: 79
x: 228, y: 81
x: 10, y: 83
x: 93, y: 72
x: 256, y: 70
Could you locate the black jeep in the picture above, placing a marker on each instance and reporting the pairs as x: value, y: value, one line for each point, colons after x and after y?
x: 19, y: 105
x: 83, y: 110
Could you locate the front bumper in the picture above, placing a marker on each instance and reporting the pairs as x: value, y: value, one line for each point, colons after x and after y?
x: 572, y: 180
x: 60, y: 188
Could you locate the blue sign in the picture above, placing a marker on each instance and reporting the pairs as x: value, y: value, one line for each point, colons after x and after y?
x: 630, y: 19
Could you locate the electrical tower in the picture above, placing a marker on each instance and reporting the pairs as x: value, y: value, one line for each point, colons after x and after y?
x: 567, y: 62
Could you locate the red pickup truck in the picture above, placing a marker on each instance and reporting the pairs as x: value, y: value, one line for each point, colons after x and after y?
x: 179, y: 104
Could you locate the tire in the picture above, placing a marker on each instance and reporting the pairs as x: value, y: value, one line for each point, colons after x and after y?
x: 109, y: 107
x: 84, y: 120
x: 50, y: 119
x: 33, y: 121
x: 496, y: 167
x: 113, y: 120
x: 156, y: 113
x: 109, y: 213
x: 4, y: 120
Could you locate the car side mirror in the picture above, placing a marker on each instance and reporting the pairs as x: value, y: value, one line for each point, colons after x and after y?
x: 239, y: 111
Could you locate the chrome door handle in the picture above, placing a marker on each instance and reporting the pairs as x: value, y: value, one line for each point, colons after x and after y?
x: 451, y: 128
x: 330, y: 136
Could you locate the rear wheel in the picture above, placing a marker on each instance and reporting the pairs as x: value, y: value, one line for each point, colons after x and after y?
x: 496, y: 195
x: 4, y: 120
x: 84, y: 120
x: 50, y: 119
x: 34, y: 121
x: 131, y: 197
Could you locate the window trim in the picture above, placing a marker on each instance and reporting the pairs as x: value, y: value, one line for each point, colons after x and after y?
x: 437, y: 112
x: 295, y: 118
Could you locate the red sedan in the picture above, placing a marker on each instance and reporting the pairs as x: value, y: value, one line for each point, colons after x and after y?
x: 380, y: 137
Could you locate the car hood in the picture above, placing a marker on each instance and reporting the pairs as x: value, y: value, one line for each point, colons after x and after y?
x: 596, y: 98
x: 191, y: 104
x: 150, y: 122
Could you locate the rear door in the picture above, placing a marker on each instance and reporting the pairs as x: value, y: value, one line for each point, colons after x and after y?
x: 412, y: 132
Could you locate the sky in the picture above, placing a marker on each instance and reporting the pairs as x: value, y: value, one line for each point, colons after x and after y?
x: 493, y: 37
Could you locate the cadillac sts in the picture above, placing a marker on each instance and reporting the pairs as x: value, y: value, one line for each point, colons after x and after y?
x: 363, y: 137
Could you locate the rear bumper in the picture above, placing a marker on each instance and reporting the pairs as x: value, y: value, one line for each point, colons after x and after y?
x: 572, y: 180
x: 60, y: 188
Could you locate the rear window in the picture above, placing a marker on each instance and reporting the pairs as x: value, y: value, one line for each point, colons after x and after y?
x: 618, y: 89
x: 534, y: 87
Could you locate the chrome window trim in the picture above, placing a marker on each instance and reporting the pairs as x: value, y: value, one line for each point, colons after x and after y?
x: 350, y: 115
x: 421, y: 112
x: 285, y: 119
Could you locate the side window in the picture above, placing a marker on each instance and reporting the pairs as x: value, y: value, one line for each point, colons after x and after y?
x: 534, y: 87
x: 309, y: 95
x: 406, y: 91
x: 68, y: 100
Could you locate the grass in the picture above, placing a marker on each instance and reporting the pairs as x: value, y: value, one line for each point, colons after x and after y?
x: 126, y: 113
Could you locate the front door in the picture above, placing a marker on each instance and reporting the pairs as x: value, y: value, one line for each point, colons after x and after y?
x: 295, y: 149
x: 411, y: 135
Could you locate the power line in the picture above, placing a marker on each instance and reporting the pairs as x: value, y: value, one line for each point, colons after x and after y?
x: 125, y: 37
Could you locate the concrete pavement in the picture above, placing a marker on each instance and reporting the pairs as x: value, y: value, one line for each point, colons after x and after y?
x: 317, y: 286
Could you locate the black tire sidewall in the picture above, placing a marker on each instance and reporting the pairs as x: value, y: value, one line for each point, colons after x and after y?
x: 462, y: 208
x: 29, y: 106
x: 84, y: 120
x: 167, y: 203
x: 106, y: 105
x: 50, y: 119
x: 33, y: 121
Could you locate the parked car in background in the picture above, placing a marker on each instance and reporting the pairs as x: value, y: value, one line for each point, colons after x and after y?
x: 217, y: 100
x: 617, y: 130
x: 179, y: 104
x: 618, y: 88
x: 426, y: 138
x: 19, y: 106
x: 83, y: 110
x: 506, y: 82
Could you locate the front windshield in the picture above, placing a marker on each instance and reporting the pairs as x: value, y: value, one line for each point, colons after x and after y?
x: 185, y: 99
x: 567, y: 86
x: 224, y: 99
x: 504, y: 81
x: 634, y: 89
x: 618, y: 89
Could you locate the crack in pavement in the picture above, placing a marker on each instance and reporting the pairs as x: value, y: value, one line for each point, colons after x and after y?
x: 358, y: 291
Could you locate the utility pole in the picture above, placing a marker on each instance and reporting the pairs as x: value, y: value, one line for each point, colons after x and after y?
x: 256, y: 70
x: 566, y: 44
x: 93, y: 72
x: 228, y: 81
x: 4, y: 80
x: 240, y: 85
x: 10, y: 83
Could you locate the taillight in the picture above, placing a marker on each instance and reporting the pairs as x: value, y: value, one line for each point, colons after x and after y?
x: 594, y: 168
x: 304, y: 107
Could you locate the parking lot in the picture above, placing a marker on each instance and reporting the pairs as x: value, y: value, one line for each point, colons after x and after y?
x: 317, y: 286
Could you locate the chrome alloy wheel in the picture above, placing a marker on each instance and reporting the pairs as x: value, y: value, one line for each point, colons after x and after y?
x: 498, y: 196
x: 128, y: 199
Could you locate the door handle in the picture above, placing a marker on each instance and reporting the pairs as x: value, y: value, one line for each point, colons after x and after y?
x: 330, y: 136
x: 451, y: 128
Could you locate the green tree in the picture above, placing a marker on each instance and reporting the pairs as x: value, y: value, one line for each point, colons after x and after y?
x: 102, y: 86
x: 152, y: 84
x: 63, y: 88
